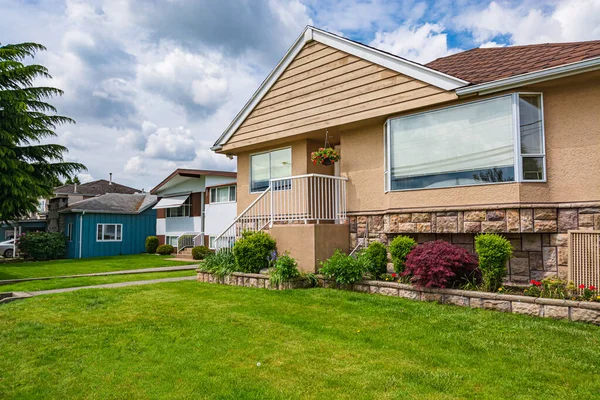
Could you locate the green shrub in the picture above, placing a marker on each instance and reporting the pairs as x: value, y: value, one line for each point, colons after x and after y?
x: 345, y: 269
x: 399, y: 249
x: 494, y: 252
x: 151, y: 244
x: 42, y: 246
x: 376, y: 255
x: 284, y: 270
x: 252, y: 251
x: 200, y: 252
x: 220, y: 263
x: 165, y: 249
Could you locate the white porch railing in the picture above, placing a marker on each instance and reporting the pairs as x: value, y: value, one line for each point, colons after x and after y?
x: 311, y: 198
x: 188, y: 239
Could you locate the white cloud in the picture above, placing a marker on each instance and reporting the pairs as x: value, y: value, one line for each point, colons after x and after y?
x: 85, y: 178
x: 135, y: 165
x: 420, y: 44
x: 188, y: 79
x: 171, y: 144
x: 570, y: 20
x: 490, y: 44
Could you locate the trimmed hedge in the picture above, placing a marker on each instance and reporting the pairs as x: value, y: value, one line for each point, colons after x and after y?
x: 42, y: 246
x: 200, y: 252
x: 494, y: 251
x: 165, y: 249
x: 376, y: 255
x: 252, y: 251
x: 151, y: 244
x: 399, y: 249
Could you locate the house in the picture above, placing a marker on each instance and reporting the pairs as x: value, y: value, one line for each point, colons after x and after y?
x: 503, y: 140
x: 68, y: 194
x: 110, y: 224
x: 194, y: 206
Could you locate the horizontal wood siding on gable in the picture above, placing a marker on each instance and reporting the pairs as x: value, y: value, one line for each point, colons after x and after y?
x: 325, y: 87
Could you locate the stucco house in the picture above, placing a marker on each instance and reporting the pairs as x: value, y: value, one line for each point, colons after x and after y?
x: 194, y: 207
x: 502, y: 140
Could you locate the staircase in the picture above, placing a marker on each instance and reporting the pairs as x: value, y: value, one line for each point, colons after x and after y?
x: 308, y: 199
x: 185, y: 254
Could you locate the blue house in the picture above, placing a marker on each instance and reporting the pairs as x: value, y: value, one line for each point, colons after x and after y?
x: 109, y: 225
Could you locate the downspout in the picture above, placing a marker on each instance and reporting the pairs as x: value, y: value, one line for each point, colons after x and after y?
x: 202, y: 206
x: 80, y: 232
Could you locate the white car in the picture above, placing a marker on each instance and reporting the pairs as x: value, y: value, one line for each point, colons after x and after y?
x: 7, y: 248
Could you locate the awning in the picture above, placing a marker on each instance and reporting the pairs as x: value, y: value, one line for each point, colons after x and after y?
x: 170, y: 202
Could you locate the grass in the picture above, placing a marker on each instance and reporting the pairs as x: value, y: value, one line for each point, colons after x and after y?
x: 32, y: 286
x: 33, y: 269
x: 193, y: 340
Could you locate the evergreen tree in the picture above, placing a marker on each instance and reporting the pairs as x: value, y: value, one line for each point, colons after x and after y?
x: 28, y: 169
x: 73, y: 180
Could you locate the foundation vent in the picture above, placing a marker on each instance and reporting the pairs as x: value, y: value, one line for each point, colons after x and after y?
x: 584, y: 258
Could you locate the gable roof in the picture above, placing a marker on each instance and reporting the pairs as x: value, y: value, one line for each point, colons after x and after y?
x: 192, y: 173
x: 482, y: 65
x: 114, y: 203
x: 376, y: 56
x: 94, y: 188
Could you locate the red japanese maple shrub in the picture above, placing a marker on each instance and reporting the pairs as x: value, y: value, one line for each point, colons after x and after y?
x: 440, y: 264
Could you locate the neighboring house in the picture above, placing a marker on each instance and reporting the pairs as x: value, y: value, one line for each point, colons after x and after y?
x: 502, y: 140
x: 109, y: 225
x: 66, y: 195
x: 194, y: 206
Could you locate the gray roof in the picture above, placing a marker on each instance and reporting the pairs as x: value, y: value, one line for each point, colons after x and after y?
x: 115, y: 203
x: 94, y: 188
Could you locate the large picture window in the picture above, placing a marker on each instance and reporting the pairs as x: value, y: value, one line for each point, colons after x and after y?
x: 270, y: 165
x: 469, y: 144
x: 109, y: 232
x: 183, y: 210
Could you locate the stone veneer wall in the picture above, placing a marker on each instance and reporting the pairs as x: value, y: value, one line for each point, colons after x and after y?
x: 539, y: 235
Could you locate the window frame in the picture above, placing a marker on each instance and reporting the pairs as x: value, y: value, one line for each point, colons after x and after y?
x: 117, y: 237
x: 266, y: 152
x: 518, y: 153
x: 70, y: 232
x: 187, y: 205
x: 518, y: 158
x: 216, y: 189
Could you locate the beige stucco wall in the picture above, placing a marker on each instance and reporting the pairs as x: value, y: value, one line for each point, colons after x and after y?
x: 311, y: 243
x: 572, y: 128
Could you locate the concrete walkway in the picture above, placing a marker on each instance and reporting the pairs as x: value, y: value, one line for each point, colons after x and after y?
x: 24, y: 295
x: 124, y: 272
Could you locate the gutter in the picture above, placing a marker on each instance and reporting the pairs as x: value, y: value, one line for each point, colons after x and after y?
x: 529, y: 78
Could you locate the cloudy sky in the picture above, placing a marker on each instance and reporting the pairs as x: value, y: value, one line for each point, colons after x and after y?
x: 153, y: 83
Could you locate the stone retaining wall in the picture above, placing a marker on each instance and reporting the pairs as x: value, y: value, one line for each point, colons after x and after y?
x: 583, y: 311
x: 539, y: 235
x: 250, y: 280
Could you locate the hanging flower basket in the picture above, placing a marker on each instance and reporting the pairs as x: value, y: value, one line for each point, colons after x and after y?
x: 325, y: 156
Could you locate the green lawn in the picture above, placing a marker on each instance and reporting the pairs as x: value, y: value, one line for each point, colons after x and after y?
x: 193, y: 340
x: 31, y: 269
x: 31, y: 286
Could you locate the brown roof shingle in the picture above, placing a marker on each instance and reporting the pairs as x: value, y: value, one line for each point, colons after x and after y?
x: 489, y: 64
x: 94, y: 188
